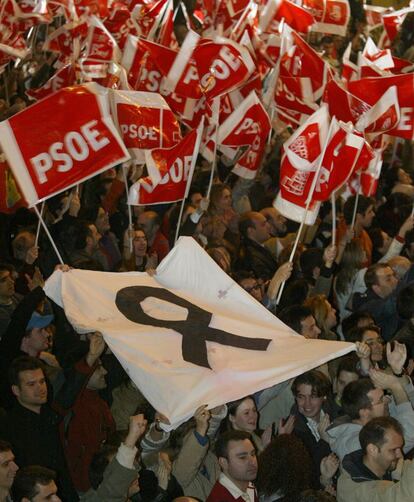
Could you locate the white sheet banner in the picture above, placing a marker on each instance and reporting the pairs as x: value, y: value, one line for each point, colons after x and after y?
x: 190, y: 335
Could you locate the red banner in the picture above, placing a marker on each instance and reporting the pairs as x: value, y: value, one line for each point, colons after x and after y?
x: 145, y: 122
x: 331, y: 16
x: 370, y: 90
x: 170, y: 172
x: 61, y: 141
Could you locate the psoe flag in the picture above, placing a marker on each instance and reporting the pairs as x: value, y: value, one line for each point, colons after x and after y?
x: 61, y: 140
x: 190, y: 335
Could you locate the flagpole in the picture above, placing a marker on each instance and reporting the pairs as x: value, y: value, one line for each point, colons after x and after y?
x: 216, y: 105
x: 356, y: 202
x: 129, y: 208
x: 333, y: 204
x: 308, y: 203
x: 48, y: 234
x: 38, y: 224
x: 190, y: 176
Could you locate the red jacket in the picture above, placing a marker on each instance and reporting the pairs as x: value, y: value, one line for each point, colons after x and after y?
x: 89, y: 427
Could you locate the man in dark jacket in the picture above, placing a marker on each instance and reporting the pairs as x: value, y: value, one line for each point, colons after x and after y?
x: 32, y: 425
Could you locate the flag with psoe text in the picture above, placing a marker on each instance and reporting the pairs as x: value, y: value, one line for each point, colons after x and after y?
x: 50, y: 150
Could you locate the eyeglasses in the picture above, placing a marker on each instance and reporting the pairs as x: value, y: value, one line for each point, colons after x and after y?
x: 256, y: 286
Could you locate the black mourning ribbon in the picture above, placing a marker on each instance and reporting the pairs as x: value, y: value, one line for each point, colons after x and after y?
x: 195, y: 330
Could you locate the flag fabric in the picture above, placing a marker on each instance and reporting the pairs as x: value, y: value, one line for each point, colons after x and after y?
x: 342, y: 104
x: 145, y: 122
x: 370, y: 91
x: 189, y: 335
x: 298, y: 18
x: 170, y: 173
x: 300, y: 162
x: 248, y: 126
x: 339, y: 159
x: 50, y: 149
x: 383, y: 116
x: 331, y: 16
x: 64, y: 77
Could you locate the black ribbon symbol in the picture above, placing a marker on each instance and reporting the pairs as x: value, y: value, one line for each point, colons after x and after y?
x: 195, y: 330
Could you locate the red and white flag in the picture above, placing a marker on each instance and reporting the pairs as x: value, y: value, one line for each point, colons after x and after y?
x: 61, y: 140
x: 248, y: 126
x: 170, y: 173
x: 370, y: 90
x: 373, y: 14
x: 300, y: 162
x: 64, y: 77
x: 331, y: 16
x: 145, y: 122
x: 298, y: 18
x: 339, y: 160
x: 350, y: 70
x: 342, y: 104
x: 370, y: 176
x: 383, y: 116
x: 392, y: 21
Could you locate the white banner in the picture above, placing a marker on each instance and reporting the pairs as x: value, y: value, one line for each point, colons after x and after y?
x: 190, y: 335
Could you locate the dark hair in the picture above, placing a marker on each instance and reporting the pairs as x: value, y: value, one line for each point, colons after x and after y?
x: 222, y: 442
x: 321, y: 386
x: 352, y: 321
x: 293, y: 316
x: 99, y: 463
x: 5, y: 446
x: 363, y: 204
x: 405, y: 302
x: 371, y: 278
x: 355, y: 397
x: 246, y: 221
x: 295, y: 293
x: 375, y: 234
x: 309, y: 259
x: 23, y: 363
x: 348, y: 363
x: 90, y: 213
x: 285, y: 466
x: 356, y: 334
x: 232, y: 410
x: 374, y: 431
x: 27, y: 478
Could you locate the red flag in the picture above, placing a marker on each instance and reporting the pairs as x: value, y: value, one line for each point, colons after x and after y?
x: 370, y: 176
x: 370, y: 90
x: 64, y: 77
x: 248, y: 125
x: 120, y: 23
x: 342, y: 104
x: 383, y: 116
x: 144, y: 75
x: 100, y: 44
x: 373, y: 15
x: 302, y: 154
x: 350, y: 71
x: 339, y: 160
x: 331, y: 16
x: 171, y: 172
x: 145, y: 122
x: 393, y: 21
x: 295, y: 16
x: 50, y: 150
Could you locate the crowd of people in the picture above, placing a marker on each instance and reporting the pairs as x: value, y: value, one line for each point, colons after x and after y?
x: 73, y: 426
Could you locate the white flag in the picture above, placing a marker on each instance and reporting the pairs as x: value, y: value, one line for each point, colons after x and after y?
x: 190, y: 335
